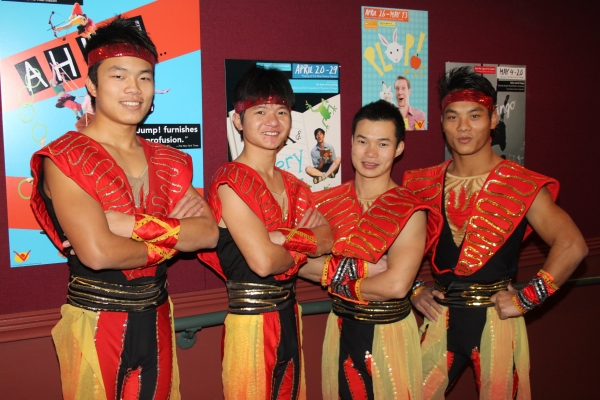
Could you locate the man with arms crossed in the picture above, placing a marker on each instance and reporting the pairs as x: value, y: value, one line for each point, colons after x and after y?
x: 266, y: 230
x: 126, y: 206
x: 489, y: 206
x: 371, y: 347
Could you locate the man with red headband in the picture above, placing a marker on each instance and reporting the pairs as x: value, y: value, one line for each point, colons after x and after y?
x: 267, y: 229
x: 371, y: 347
x: 489, y: 206
x: 126, y: 206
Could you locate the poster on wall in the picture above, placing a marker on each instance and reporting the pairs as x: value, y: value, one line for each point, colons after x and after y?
x: 508, y: 139
x: 313, y: 150
x: 43, y: 73
x: 395, y: 58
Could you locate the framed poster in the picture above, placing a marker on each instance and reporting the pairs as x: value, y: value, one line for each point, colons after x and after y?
x: 314, y: 144
x: 508, y: 139
x: 43, y: 73
x: 395, y: 57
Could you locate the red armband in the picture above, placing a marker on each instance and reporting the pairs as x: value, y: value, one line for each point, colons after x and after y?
x: 161, y: 231
x: 299, y: 259
x: 535, y: 292
x: 158, y: 254
x: 342, y: 269
x: 349, y: 291
x: 302, y: 240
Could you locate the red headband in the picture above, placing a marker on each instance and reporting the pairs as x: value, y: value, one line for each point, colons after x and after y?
x: 468, y: 95
x: 242, y: 106
x: 120, y: 50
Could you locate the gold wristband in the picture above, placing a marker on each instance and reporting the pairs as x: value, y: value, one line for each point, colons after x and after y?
x: 325, y: 270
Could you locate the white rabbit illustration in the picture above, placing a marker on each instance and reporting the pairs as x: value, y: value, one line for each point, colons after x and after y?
x: 394, y: 51
x: 386, y: 93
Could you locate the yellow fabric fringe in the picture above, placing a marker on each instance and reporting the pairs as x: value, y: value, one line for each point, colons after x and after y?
x: 395, y: 363
x: 503, y: 347
x: 244, y: 375
x: 80, y: 372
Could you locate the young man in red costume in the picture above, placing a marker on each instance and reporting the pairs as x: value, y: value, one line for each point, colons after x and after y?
x: 126, y: 206
x: 371, y: 347
x: 489, y: 206
x: 266, y: 229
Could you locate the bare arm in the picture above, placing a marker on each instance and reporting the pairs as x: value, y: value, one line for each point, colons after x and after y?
x: 313, y: 269
x: 404, y: 259
x: 84, y: 223
x: 251, y: 236
x: 567, y: 246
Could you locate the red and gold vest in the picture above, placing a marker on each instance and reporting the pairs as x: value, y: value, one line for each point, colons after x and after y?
x: 87, y: 163
x: 251, y: 188
x: 368, y: 236
x: 501, y: 205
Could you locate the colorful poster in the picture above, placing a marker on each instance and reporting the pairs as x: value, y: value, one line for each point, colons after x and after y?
x: 43, y: 72
x: 508, y: 139
x: 313, y: 150
x: 395, y: 57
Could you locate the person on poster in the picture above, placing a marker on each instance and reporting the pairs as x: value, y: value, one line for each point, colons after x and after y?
x: 65, y: 100
x: 489, y: 206
x: 414, y: 119
x: 371, y: 348
x: 325, y: 163
x: 267, y: 228
x: 103, y: 189
x: 85, y: 25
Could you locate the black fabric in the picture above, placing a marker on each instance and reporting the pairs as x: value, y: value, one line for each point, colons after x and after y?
x: 288, y: 352
x: 77, y: 268
x: 233, y: 262
x: 255, y: 298
x: 376, y: 312
x: 355, y: 340
x: 140, y: 350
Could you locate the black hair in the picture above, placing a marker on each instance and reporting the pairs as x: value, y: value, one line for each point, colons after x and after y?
x: 119, y: 30
x: 259, y: 82
x: 462, y: 78
x: 381, y: 110
x: 319, y: 130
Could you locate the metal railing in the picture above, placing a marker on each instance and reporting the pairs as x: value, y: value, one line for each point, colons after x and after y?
x: 188, y: 326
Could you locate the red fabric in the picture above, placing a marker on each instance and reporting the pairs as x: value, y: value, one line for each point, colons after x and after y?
x: 164, y: 349
x: 87, y: 163
x: 389, y: 213
x: 110, y: 331
x: 272, y: 336
x: 131, y: 385
x: 285, y: 390
x: 428, y: 183
x: 449, y: 358
x: 296, y: 240
x: 356, y: 384
x: 251, y: 188
x: 515, y: 383
x: 475, y: 357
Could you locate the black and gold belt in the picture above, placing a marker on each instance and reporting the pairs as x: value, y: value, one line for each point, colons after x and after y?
x: 376, y: 312
x: 96, y: 295
x: 467, y: 294
x: 256, y: 298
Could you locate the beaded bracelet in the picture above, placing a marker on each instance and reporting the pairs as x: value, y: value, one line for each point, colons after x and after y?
x: 535, y: 292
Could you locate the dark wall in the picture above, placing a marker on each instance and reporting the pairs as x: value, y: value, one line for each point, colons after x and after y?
x: 555, y: 40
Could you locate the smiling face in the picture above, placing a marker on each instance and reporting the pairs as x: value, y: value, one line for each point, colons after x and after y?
x: 374, y: 148
x: 320, y: 137
x: 467, y: 126
x: 124, y: 91
x: 402, y: 92
x: 265, y: 125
